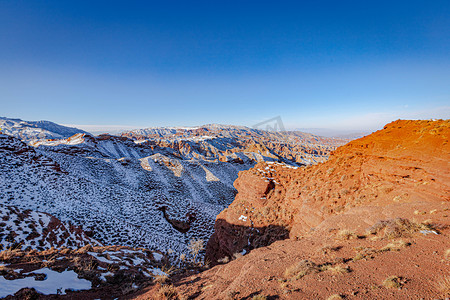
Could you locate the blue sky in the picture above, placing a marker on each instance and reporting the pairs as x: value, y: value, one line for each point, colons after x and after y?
x: 348, y: 65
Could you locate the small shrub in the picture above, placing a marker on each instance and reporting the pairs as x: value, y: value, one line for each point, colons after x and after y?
x: 167, y: 292
x: 393, y: 282
x: 161, y: 279
x: 339, y: 269
x: 259, y: 297
x: 301, y: 268
x: 365, y: 253
x: 346, y: 234
x: 395, y: 246
x: 358, y: 256
x: 328, y: 249
x: 195, y: 246
x: 6, y: 255
x: 169, y: 270
x: 399, y: 227
x: 237, y: 255
x: 224, y: 260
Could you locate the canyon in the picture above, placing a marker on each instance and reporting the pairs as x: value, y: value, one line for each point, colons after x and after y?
x: 282, y: 215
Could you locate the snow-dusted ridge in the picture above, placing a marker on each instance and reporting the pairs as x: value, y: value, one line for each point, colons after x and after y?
x: 33, y: 130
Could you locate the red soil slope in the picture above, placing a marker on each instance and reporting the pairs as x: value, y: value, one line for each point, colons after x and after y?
x: 406, y: 162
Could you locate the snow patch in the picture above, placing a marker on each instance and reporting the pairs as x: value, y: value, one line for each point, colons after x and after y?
x: 54, y: 283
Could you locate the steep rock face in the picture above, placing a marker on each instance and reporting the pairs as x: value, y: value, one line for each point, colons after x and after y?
x: 407, y: 161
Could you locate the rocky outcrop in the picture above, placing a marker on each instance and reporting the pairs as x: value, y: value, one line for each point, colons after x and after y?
x: 407, y: 161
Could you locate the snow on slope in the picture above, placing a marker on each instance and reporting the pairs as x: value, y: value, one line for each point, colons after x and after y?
x: 32, y: 130
x: 91, y: 184
x: 26, y: 229
x: 209, y: 141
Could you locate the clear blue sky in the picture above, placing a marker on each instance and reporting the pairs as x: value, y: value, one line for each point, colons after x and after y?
x: 332, y: 64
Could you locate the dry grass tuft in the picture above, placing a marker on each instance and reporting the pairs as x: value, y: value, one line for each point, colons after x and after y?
x: 224, y: 260
x: 259, y: 297
x: 395, y: 246
x: 301, y: 268
x: 335, y: 297
x: 398, y: 228
x: 329, y: 249
x: 365, y: 253
x: 10, y: 254
x: 443, y: 285
x: 161, y: 279
x: 339, y: 269
x: 167, y: 292
x: 237, y: 255
x: 346, y: 234
x: 393, y: 282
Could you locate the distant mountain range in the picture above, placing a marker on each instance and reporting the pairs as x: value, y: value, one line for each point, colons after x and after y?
x: 335, y: 133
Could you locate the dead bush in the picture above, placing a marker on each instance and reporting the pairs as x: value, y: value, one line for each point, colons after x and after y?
x: 346, y: 234
x: 167, y: 292
x: 393, y: 282
x: 395, y: 246
x: 301, y: 268
x: 397, y: 228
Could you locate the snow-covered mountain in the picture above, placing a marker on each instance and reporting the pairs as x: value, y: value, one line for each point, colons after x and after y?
x: 155, y: 188
x: 33, y: 130
x: 214, y: 140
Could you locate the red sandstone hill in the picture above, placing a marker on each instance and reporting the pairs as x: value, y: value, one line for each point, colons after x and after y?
x: 406, y: 162
x: 372, y: 222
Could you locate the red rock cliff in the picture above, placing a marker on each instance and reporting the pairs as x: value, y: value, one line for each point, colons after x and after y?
x: 407, y: 161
